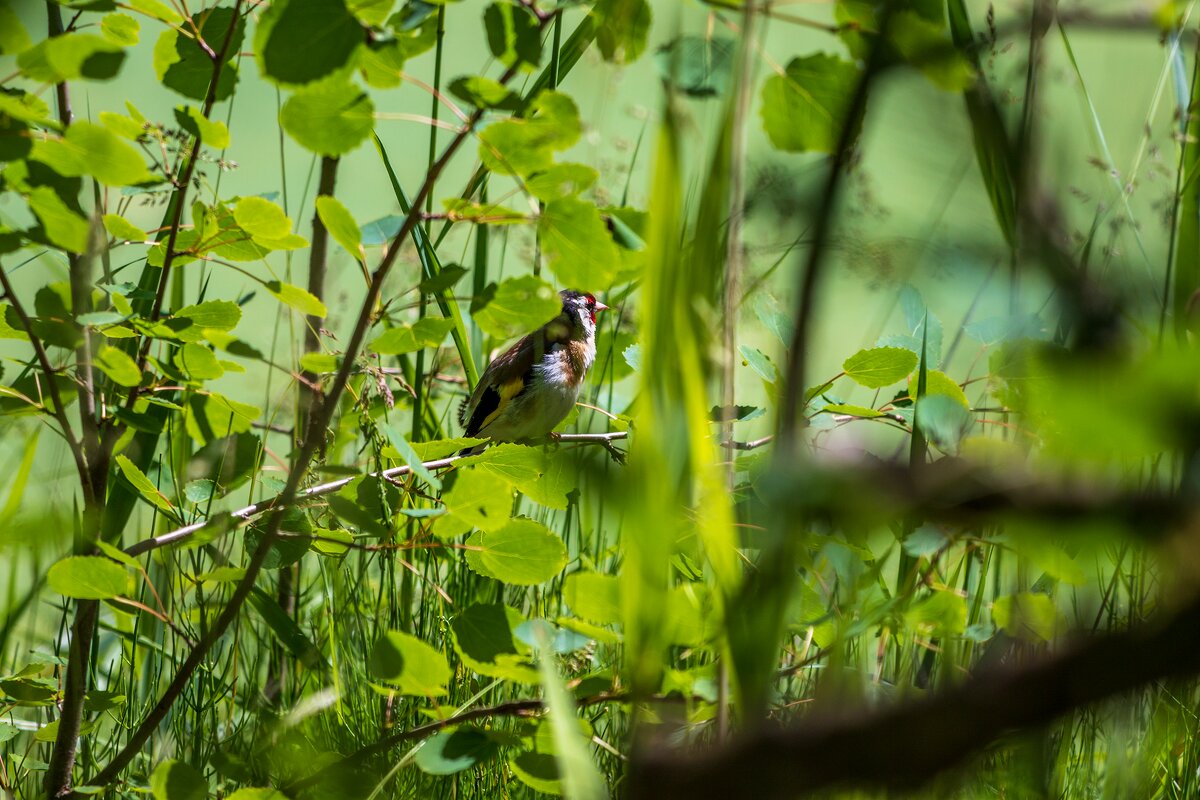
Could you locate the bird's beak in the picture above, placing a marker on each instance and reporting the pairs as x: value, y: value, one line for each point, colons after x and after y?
x: 600, y: 306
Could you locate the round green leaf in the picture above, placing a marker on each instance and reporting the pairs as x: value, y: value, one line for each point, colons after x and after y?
x: 578, y: 247
x: 427, y: 332
x: 516, y: 307
x: 453, y: 751
x: 523, y: 552
x: 89, y: 149
x: 416, y: 667
x: 297, y: 298
x: 877, y: 367
x: 88, y: 578
x: 175, y: 780
x: 329, y: 119
x: 300, y: 41
x: 594, y: 597
x: 183, y: 65
x: 484, y: 640
x: 117, y: 364
x: 804, y: 109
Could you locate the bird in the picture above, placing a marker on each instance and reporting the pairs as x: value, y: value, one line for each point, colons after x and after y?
x: 531, y: 387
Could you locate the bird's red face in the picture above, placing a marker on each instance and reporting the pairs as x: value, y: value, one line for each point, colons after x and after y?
x: 593, y: 305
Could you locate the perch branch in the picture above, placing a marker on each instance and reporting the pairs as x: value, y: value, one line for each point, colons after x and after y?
x: 254, y: 509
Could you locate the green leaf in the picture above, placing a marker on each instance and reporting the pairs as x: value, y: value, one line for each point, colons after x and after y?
x: 300, y: 41
x: 198, y: 362
x: 459, y: 209
x: 157, y: 10
x: 698, y: 66
x: 514, y: 35
x: 212, y: 416
x: 175, y: 780
x: 517, y: 306
x: 221, y: 315
x: 262, y: 218
x: 409, y: 457
x: 804, y: 110
x: 13, y: 36
x: 328, y: 118
x: 941, y: 613
x: 414, y: 666
x: 297, y: 298
x: 485, y: 93
x: 581, y: 779
x: 758, y: 361
x: 621, y: 29
x: 286, y: 630
x: 181, y: 64
x: 120, y: 29
x: 453, y: 751
x: 478, y: 499
x: 1028, y: 616
x: 71, y: 56
x: 943, y: 420
x: 924, y: 44
x: 319, y: 362
x: 484, y: 639
x: 200, y: 490
x: 939, y: 383
x: 144, y: 487
x: 853, y: 411
x: 116, y: 364
x: 212, y: 134
x: 877, y: 367
x: 88, y: 578
x: 64, y: 227
x: 287, y: 549
x: 89, y: 149
x: 340, y: 224
x: 579, y: 249
x: 525, y: 146
x: 561, y: 180
x: 543, y: 476
x: 122, y: 229
x: 426, y: 332
x: 522, y: 552
x: 594, y: 597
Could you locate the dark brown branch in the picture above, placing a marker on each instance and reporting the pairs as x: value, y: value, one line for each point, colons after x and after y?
x: 905, y: 746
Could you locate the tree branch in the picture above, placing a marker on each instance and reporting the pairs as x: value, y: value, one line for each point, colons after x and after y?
x: 905, y: 746
x: 254, y: 509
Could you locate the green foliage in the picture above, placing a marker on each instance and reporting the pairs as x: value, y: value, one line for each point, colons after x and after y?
x: 806, y: 108
x: 88, y: 578
x: 254, y: 459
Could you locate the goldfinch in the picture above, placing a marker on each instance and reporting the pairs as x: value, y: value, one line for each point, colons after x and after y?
x: 525, y: 392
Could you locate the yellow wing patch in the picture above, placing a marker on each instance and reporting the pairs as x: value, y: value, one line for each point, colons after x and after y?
x: 507, y: 391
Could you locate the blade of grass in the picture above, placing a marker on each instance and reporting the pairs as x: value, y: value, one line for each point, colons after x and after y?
x: 430, y: 267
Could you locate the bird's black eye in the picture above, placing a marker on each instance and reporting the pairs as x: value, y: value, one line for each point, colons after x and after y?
x: 591, y: 301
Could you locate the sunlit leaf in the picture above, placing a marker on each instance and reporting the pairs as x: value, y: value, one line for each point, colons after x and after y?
x: 879, y: 366
x: 175, y: 780
x: 117, y: 364
x: 516, y: 307
x: 579, y: 249
x: 328, y: 118
x: 414, y: 666
x: 300, y: 41
x: 88, y: 578
x: 425, y: 332
x: 522, y: 552
x: 805, y: 108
